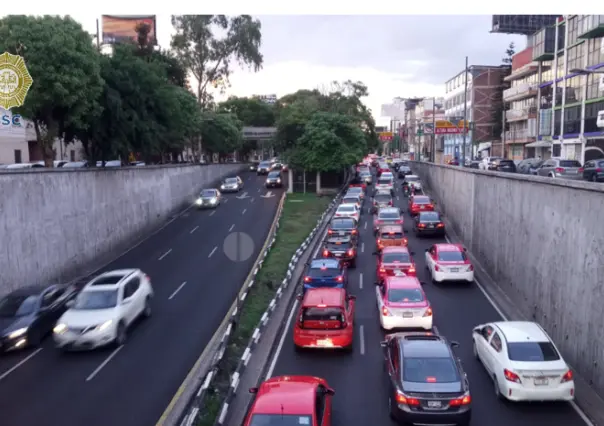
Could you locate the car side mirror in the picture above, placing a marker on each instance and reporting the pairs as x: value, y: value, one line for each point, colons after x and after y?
x: 299, y: 297
x: 384, y: 344
x: 330, y: 391
x: 126, y: 301
x: 70, y: 303
x: 454, y: 344
x: 422, y: 282
x: 427, y: 250
x: 352, y: 297
x: 477, y: 330
x: 378, y: 283
x: 253, y: 390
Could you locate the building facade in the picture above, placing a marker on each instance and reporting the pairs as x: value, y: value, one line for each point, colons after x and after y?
x: 428, y: 111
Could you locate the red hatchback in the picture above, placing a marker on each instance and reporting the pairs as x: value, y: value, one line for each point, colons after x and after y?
x: 420, y: 203
x: 325, y: 319
x: 291, y: 401
x: 395, y: 261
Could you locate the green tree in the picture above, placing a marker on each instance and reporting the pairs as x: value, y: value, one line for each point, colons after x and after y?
x: 331, y: 142
x: 209, y: 57
x: 220, y: 133
x: 250, y: 111
x: 66, y: 71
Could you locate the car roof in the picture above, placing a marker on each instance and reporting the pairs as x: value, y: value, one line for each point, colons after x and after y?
x: 346, y: 206
x: 389, y: 210
x: 391, y: 228
x: 324, y: 296
x: 430, y: 213
x: 355, y: 188
x: 351, y: 195
x: 325, y: 263
x: 420, y: 198
x: 343, y: 219
x: 522, y: 331
x: 290, y: 397
x: 395, y: 249
x: 424, y: 348
x: 411, y: 176
x: 109, y: 279
x: 339, y: 239
x: 403, y: 282
x: 449, y: 247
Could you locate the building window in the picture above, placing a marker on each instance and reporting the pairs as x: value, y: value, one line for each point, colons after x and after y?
x: 575, y: 57
x: 591, y: 117
x: 561, y: 37
x: 557, y: 121
x: 595, y: 52
x: 593, y: 86
x: 572, y: 30
x: 18, y: 158
x: 574, y: 89
x: 72, y: 156
x: 560, y: 69
x: 572, y: 120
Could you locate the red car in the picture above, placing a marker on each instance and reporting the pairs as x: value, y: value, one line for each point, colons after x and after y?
x: 325, y: 319
x: 395, y: 261
x: 291, y: 400
x: 420, y: 203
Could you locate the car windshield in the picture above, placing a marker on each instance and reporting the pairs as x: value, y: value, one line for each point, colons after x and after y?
x: 412, y: 179
x: 451, y: 256
x: 17, y: 306
x: 342, y: 244
x: 322, y: 314
x: 323, y: 272
x: 389, y: 215
x: 404, y: 163
x: 208, y: 193
x: 426, y: 370
x: 274, y: 174
x: 384, y: 181
x: 532, y: 351
x: 383, y: 198
x: 365, y: 173
x: 347, y: 209
x: 342, y: 224
x: 405, y: 295
x: 506, y: 163
x: 96, y: 299
x: 391, y: 235
x: 280, y: 420
x: 429, y: 217
x: 355, y: 189
x: 265, y: 164
x: 421, y: 200
x: 350, y: 200
x: 396, y: 257
x: 231, y: 180
x: 569, y: 163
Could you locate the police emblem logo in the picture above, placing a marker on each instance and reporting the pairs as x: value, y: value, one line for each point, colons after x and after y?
x: 15, y: 81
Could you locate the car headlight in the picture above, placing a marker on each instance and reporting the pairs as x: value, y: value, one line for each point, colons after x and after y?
x: 278, y: 180
x: 222, y: 186
x: 214, y: 200
x: 104, y: 325
x: 198, y: 201
x: 17, y: 333
x: 60, y: 328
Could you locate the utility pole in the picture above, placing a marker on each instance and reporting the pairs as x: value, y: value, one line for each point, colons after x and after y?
x: 503, y: 131
x: 433, y: 130
x: 465, y: 115
x: 98, y: 36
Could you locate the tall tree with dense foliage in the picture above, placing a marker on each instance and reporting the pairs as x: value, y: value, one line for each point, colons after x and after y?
x: 65, y: 67
x: 221, y: 133
x: 207, y: 56
x: 250, y: 111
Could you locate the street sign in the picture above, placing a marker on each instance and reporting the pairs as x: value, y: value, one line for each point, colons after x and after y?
x: 385, y: 136
x: 600, y: 122
x: 446, y: 127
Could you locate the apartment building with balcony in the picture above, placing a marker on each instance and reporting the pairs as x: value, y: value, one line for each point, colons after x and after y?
x: 427, y: 112
x: 483, y: 99
x: 569, y: 97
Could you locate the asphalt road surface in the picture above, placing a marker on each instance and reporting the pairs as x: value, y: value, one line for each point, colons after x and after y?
x: 195, y: 284
x: 361, y: 394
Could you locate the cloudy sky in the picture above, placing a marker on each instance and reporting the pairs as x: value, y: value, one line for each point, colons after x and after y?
x: 393, y: 55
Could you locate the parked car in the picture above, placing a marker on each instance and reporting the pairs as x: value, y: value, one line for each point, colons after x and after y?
x: 502, y: 165
x: 488, y: 163
x: 474, y: 164
x: 593, y: 170
x: 529, y: 166
x: 559, y: 168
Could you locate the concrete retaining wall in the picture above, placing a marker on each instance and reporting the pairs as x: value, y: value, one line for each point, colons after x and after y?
x: 56, y: 225
x: 542, y: 241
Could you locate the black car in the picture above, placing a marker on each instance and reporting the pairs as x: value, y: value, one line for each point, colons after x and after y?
x: 264, y: 168
x: 502, y: 165
x: 254, y: 166
x: 427, y: 384
x: 474, y: 164
x: 381, y: 199
x: 28, y: 314
x: 404, y: 171
x: 429, y: 223
x: 342, y: 248
x: 274, y: 180
x: 529, y: 166
x: 343, y: 226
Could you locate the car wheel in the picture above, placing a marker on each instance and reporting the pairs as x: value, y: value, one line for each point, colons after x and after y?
x: 496, y: 388
x: 121, y: 335
x: 552, y: 176
x: 147, y: 309
x: 353, y: 264
x: 391, y: 408
x: 594, y: 178
x: 474, y: 350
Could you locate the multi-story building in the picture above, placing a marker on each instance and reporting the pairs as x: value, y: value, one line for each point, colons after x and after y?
x: 410, y: 123
x: 572, y: 92
x: 427, y: 112
x: 483, y: 103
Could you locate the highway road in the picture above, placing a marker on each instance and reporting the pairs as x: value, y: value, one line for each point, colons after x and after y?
x: 195, y: 284
x: 361, y: 394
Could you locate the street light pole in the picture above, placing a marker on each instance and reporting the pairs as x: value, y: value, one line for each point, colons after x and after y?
x: 433, y: 150
x: 465, y: 114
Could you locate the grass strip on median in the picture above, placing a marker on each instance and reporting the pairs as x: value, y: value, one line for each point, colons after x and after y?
x: 299, y: 217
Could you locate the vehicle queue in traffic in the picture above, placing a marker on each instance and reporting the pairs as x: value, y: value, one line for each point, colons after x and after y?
x: 426, y: 379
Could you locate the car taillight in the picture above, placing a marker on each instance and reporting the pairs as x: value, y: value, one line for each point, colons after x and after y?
x: 402, y: 399
x: 411, y: 269
x: 421, y: 225
x: 428, y: 312
x: 466, y: 400
x: 470, y: 268
x: 440, y: 225
x: 405, y: 241
x: 307, y: 279
x: 568, y: 376
x: 329, y: 231
x: 325, y: 253
x: 385, y: 312
x: 340, y: 279
x: 400, y: 221
x: 351, y: 252
x: 598, y: 170
x: 147, y: 277
x: 511, y: 376
x: 389, y: 203
x: 354, y: 232
x: 436, y: 268
x: 581, y: 170
x: 559, y: 169
x: 382, y: 270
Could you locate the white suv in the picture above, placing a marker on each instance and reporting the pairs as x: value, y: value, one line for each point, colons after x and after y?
x: 104, y: 309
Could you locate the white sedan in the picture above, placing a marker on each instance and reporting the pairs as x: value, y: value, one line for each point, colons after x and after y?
x: 523, y: 362
x: 349, y: 210
x: 449, y: 262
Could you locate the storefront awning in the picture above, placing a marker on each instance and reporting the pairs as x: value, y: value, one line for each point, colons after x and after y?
x: 539, y: 144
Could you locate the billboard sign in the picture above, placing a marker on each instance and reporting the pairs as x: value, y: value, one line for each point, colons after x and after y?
x: 446, y: 127
x: 385, y: 136
x: 122, y: 28
x: 600, y: 122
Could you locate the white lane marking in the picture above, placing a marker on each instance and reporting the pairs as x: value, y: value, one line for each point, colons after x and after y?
x: 363, y: 248
x: 365, y: 225
x: 244, y: 210
x: 194, y: 229
x: 165, y: 254
x: 435, y: 330
x: 226, y: 199
x: 361, y: 281
x: 398, y: 198
x: 252, y: 200
x: 269, y: 373
x: 177, y: 290
x: 362, y: 335
x: 231, y: 228
x: 104, y: 363
x: 212, y: 213
x: 573, y: 404
x: 212, y: 252
x: 19, y: 364
x: 259, y: 189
